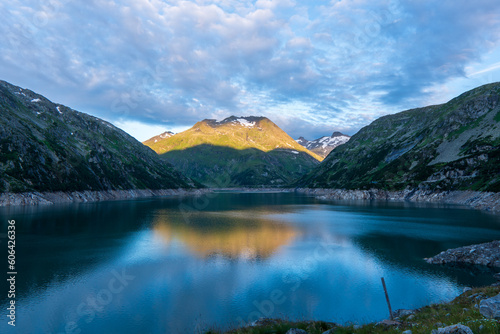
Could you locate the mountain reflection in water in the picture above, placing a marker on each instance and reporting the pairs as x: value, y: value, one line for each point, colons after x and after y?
x: 218, y: 233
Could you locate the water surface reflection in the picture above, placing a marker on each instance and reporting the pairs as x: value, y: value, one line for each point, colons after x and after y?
x: 144, y: 266
x: 232, y: 233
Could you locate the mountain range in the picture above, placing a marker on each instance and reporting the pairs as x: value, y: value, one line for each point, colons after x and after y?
x: 237, y: 151
x: 324, y: 145
x: 452, y: 146
x: 46, y: 146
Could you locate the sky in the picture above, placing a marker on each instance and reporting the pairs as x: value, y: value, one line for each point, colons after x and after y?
x: 312, y: 67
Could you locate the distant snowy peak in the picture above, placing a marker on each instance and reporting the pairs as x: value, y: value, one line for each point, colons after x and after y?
x: 246, y: 121
x: 166, y: 134
x: 302, y: 141
x: 324, y: 145
x: 328, y: 141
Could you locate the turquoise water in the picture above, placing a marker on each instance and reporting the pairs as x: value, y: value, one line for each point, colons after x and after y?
x: 182, y: 265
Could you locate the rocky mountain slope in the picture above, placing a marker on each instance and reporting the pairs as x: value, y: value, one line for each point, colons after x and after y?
x: 453, y: 146
x: 49, y: 147
x: 237, y: 151
x: 324, y: 145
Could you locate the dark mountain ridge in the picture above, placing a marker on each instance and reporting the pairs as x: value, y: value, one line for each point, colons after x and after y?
x: 452, y: 146
x: 46, y: 146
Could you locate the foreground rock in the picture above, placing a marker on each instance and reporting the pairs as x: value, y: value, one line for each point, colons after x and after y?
x: 490, y: 308
x: 487, y: 201
x: 48, y: 198
x: 402, y: 313
x: 454, y: 329
x: 296, y: 331
x: 487, y: 254
x: 389, y: 323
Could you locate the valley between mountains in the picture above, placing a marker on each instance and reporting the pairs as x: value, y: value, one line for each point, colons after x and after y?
x: 46, y: 148
x: 237, y: 151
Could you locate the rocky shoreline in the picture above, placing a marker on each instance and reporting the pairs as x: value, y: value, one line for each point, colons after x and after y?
x: 255, y: 190
x: 49, y: 198
x: 486, y: 254
x: 487, y: 201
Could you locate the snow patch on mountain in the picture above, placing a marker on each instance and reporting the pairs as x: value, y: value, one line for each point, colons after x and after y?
x: 324, y: 145
x: 328, y: 141
x: 244, y: 122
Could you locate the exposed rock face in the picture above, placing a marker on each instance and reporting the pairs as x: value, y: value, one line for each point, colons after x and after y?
x: 487, y: 201
x: 487, y: 254
x: 453, y: 146
x: 490, y: 308
x: 453, y: 329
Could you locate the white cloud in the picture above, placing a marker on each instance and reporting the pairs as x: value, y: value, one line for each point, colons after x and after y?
x: 272, y: 4
x: 493, y: 67
x: 340, y: 63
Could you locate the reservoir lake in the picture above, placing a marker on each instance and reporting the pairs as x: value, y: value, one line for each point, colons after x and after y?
x: 225, y: 259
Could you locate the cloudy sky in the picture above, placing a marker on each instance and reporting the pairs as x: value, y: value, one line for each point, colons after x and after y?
x: 313, y: 67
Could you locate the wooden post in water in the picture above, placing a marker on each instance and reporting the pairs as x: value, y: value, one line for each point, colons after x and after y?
x: 387, y: 297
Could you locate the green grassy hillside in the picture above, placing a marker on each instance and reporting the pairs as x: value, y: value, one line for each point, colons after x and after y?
x: 249, y: 151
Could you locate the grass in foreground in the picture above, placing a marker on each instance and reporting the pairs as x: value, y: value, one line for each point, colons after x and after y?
x: 462, y: 310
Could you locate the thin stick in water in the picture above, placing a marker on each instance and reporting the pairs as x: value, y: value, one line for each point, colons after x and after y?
x: 387, y: 297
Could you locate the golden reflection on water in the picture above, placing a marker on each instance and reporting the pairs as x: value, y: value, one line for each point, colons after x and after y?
x: 224, y: 233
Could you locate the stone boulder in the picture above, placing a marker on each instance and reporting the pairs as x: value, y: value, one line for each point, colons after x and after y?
x: 402, y: 313
x: 453, y: 329
x: 490, y: 308
x: 388, y: 323
x: 296, y: 331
